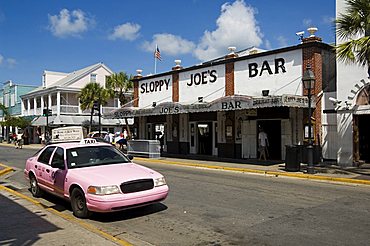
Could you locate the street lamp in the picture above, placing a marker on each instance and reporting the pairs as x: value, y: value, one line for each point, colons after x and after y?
x: 308, y: 80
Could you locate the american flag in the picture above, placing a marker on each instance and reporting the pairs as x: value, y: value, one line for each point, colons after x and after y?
x: 157, y: 54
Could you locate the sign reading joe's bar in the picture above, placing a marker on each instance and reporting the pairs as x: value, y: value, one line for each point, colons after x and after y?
x: 207, y: 82
x: 157, y: 89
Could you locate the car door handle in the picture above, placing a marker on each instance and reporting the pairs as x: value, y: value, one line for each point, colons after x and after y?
x: 47, y: 170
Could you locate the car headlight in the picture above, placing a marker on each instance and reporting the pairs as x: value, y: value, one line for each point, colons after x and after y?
x: 103, y: 190
x: 159, y: 182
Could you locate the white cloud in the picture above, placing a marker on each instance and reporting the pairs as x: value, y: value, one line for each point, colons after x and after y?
x: 7, y: 62
x: 329, y: 20
x: 283, y: 41
x: 169, y: 44
x: 307, y: 22
x: 69, y: 23
x: 236, y: 26
x: 127, y: 31
x: 268, y: 44
x: 11, y: 62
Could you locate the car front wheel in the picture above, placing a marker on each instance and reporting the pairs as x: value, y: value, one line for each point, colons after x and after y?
x: 34, y: 186
x: 78, y: 203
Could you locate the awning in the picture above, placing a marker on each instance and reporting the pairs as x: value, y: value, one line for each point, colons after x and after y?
x: 41, y: 120
x: 78, y: 120
x: 236, y: 102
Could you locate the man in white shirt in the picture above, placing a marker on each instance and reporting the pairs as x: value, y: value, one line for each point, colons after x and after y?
x: 263, y: 143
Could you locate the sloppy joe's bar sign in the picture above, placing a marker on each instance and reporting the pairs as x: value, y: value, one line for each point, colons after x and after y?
x: 155, y: 90
x: 207, y: 82
x: 155, y: 85
x: 223, y: 104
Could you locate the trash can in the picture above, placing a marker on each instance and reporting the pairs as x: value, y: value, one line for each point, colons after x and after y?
x: 1, y: 139
x: 292, y: 158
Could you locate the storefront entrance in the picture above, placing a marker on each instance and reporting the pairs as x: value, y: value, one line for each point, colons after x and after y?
x: 201, y: 138
x: 273, y: 130
x: 363, y: 137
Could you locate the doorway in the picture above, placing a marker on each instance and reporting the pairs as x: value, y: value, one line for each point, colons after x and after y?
x: 205, y: 142
x: 364, y: 137
x: 273, y: 131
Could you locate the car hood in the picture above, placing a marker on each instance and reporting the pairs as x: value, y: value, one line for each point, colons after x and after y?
x: 112, y: 174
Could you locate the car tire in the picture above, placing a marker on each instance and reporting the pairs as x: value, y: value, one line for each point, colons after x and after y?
x: 78, y: 204
x: 34, y: 187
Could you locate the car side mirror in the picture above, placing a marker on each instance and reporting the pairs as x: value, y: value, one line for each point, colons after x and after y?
x: 131, y: 157
x: 58, y: 164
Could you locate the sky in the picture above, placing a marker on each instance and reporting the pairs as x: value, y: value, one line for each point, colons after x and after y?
x: 68, y: 35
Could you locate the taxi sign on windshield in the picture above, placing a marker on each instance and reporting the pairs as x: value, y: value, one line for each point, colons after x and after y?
x: 88, y: 141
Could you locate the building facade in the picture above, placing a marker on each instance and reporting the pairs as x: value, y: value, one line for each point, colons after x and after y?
x: 217, y: 108
x: 59, y: 94
x: 10, y: 97
x: 352, y: 102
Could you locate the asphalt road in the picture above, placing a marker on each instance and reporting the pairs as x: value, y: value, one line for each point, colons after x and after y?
x: 212, y: 207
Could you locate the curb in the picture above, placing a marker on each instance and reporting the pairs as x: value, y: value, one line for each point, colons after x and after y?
x: 262, y: 172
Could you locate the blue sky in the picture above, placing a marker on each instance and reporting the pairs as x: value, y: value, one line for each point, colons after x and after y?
x: 68, y: 35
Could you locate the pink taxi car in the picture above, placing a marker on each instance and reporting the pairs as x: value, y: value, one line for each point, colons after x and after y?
x: 94, y: 177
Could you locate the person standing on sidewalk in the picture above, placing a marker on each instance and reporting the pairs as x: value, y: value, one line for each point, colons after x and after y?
x: 263, y: 143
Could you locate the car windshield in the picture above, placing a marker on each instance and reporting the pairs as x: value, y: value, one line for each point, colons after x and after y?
x: 94, y: 156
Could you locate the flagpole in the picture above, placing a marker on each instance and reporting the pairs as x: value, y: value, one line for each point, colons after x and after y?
x: 155, y: 59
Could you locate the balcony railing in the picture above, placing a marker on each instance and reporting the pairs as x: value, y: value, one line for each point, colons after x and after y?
x: 68, y: 109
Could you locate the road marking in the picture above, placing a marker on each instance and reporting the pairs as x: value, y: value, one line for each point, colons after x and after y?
x: 269, y: 173
x: 5, y: 170
x: 70, y: 218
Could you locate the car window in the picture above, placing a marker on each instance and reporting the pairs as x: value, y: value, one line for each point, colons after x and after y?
x: 45, y: 155
x: 94, y: 156
x: 58, y: 156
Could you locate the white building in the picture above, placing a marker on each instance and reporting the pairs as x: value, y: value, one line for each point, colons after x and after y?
x: 353, y: 109
x: 216, y: 108
x: 59, y: 93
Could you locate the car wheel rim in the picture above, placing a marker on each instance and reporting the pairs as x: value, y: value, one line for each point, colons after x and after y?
x: 33, y: 185
x: 80, y: 202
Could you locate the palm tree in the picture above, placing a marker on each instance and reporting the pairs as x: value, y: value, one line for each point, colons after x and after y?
x: 90, y: 94
x: 120, y: 86
x: 355, y: 22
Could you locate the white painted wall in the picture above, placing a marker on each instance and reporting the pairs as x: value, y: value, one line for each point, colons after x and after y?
x: 278, y: 83
x: 210, y: 88
x: 101, y: 74
x: 52, y: 77
x: 347, y: 77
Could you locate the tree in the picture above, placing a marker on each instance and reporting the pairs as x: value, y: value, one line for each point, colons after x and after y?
x: 5, y: 110
x: 355, y: 22
x: 120, y: 86
x: 92, y: 92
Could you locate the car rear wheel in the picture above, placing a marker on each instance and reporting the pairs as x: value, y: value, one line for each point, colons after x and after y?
x: 78, y: 203
x: 34, y: 186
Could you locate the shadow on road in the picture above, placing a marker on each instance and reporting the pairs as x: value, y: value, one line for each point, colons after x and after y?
x: 129, y: 214
x: 19, y: 226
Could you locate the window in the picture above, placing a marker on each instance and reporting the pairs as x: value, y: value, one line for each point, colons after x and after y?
x: 94, y: 156
x: 58, y: 157
x: 45, y: 155
x: 6, y: 100
x: 93, y: 77
x: 12, y: 100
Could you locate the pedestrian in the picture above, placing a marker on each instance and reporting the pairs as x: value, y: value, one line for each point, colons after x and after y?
x: 19, y: 141
x: 263, y: 143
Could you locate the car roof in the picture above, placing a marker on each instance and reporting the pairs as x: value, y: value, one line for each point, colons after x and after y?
x: 70, y: 145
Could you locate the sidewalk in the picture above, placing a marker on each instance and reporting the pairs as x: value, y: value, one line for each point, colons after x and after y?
x: 356, y: 175
x: 26, y: 222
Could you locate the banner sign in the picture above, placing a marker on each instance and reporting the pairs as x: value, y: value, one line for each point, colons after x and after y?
x: 222, y: 104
